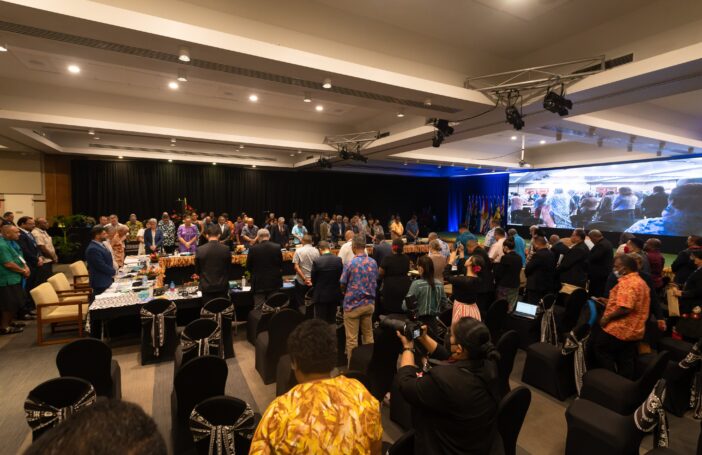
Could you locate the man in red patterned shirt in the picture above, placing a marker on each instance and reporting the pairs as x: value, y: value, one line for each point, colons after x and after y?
x: 624, y: 319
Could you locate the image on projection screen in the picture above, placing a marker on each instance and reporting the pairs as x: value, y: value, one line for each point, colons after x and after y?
x: 662, y: 197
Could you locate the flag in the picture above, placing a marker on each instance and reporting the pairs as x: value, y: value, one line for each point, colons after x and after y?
x: 484, y: 216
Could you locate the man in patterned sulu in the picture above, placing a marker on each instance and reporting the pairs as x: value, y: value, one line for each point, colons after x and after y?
x: 320, y: 415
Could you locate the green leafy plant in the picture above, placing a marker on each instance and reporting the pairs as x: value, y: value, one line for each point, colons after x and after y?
x: 65, y: 248
x: 70, y: 221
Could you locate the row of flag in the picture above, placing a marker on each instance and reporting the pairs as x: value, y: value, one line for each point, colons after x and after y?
x: 482, y: 208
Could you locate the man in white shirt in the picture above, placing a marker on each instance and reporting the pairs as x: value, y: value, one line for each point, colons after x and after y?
x: 495, y: 253
x: 346, y: 251
x: 302, y: 260
x: 445, y: 250
x: 44, y: 241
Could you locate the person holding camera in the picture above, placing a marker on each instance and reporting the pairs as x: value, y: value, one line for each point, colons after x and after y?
x: 429, y: 294
x: 454, y: 405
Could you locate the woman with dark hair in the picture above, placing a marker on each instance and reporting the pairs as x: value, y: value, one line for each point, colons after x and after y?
x: 465, y: 290
x: 393, y: 270
x: 454, y: 405
x: 429, y: 293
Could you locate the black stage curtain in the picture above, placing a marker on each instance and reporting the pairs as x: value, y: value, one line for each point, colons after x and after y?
x: 149, y: 188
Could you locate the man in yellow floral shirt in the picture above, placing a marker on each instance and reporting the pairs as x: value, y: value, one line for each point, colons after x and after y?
x: 321, y: 415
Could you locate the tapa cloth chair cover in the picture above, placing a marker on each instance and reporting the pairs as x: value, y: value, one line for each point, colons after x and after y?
x: 576, y: 342
x: 510, y: 417
x: 692, y: 362
x: 201, y: 337
x: 53, y: 401
x: 155, y: 320
x: 654, y: 417
x: 91, y: 359
x: 221, y: 309
x: 549, y: 331
x: 221, y: 437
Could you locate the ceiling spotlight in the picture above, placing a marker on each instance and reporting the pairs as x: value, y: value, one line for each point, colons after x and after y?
x: 182, y: 76
x: 170, y: 161
x: 542, y: 142
x: 3, y: 47
x: 307, y: 98
x: 513, y: 138
x: 401, y: 114
x: 73, y: 69
x: 292, y: 154
x: 173, y: 144
x: 184, y: 54
x: 253, y: 98
x: 173, y: 140
x: 299, y: 152
x: 241, y: 146
x: 214, y: 164
x: 120, y: 157
x: 427, y: 102
x: 465, y: 168
x: 91, y: 132
x: 253, y: 165
x: 173, y: 85
x: 96, y: 137
x: 514, y: 117
x: 558, y: 104
x: 327, y: 83
x: 319, y: 108
x: 591, y: 131
x: 439, y: 166
x: 441, y: 132
x: 405, y: 163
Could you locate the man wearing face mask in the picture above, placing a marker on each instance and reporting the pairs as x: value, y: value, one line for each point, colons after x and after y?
x: 624, y: 320
x: 454, y: 406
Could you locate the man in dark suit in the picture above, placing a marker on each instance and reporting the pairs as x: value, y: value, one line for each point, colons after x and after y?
x: 540, y: 271
x: 599, y: 263
x: 212, y: 262
x: 683, y: 265
x: 338, y: 229
x: 691, y: 294
x: 573, y: 266
x: 508, y: 273
x: 326, y: 294
x: 265, y: 263
x: 224, y: 231
x: 381, y: 250
x: 35, y: 261
x: 99, y: 260
x: 280, y: 233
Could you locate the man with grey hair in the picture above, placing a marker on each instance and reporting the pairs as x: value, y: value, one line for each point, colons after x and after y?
x: 346, y: 250
x: 359, y: 283
x: 280, y: 233
x: 600, y: 261
x: 302, y: 261
x: 445, y: 250
x: 265, y: 263
x: 44, y: 241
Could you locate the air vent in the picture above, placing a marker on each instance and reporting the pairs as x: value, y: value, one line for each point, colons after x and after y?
x: 212, y: 66
x: 181, y: 152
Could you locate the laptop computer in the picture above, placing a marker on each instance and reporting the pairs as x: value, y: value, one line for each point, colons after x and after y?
x: 525, y: 310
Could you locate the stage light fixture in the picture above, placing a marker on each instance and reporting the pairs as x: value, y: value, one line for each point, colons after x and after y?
x: 441, y: 132
x: 344, y: 153
x: 659, y: 153
x: 214, y: 164
x: 324, y: 163
x: 307, y: 98
x: 405, y: 163
x: 184, y: 54
x: 327, y: 83
x: 292, y: 154
x: 514, y: 117
x: 182, y: 76
x: 557, y: 103
x: 299, y: 152
x: 439, y: 166
x: 96, y: 137
x: 629, y: 147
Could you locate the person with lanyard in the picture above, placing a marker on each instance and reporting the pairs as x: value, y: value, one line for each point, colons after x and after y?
x: 13, y: 272
x: 429, y: 293
x: 412, y: 230
x: 454, y: 404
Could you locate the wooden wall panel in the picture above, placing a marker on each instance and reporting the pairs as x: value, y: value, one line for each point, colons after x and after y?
x: 57, y: 178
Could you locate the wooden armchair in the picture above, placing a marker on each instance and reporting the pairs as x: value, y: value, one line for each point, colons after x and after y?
x: 53, y: 310
x: 80, y: 275
x: 64, y: 289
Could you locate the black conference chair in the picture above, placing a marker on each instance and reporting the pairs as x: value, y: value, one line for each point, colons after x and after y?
x: 284, y: 376
x: 618, y: 393
x: 234, y: 416
x: 91, y: 359
x: 403, y: 446
x: 378, y: 361
x: 51, y: 402
x: 272, y: 344
x: 198, y: 379
x: 400, y: 409
x: 574, y: 304
x: 495, y: 318
x: 200, y: 337
x: 510, y: 417
x: 221, y: 310
x: 257, y: 320
x: 158, y: 331
x: 507, y: 346
x: 679, y: 380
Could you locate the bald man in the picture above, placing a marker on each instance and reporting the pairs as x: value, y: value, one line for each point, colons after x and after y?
x: 13, y: 269
x: 346, y: 250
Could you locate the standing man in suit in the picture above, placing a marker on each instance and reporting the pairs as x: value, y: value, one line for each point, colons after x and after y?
x: 280, y: 233
x: 683, y: 266
x: 325, y: 275
x: 99, y: 259
x: 691, y: 294
x: 31, y: 252
x: 573, y: 266
x: 540, y: 271
x: 212, y: 262
x: 224, y: 232
x: 599, y: 263
x: 265, y: 262
x: 338, y: 229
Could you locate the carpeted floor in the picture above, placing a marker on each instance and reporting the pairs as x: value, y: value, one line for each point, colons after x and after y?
x: 24, y: 365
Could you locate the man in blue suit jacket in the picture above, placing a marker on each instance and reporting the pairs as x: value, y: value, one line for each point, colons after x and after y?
x: 99, y: 259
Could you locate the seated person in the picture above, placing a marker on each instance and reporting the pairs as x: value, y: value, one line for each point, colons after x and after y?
x: 320, y: 415
x: 454, y: 406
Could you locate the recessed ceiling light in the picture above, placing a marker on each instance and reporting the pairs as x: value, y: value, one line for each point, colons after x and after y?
x: 307, y: 98
x: 182, y: 76
x: 241, y: 146
x: 319, y: 108
x: 91, y: 132
x: 253, y: 98
x: 439, y: 166
x: 173, y: 144
x: 173, y: 140
x: 401, y: 114
x: 184, y: 54
x: 3, y: 47
x: 73, y: 69
x: 214, y: 164
x: 292, y: 154
x: 120, y: 157
x: 405, y: 163
x: 514, y: 138
x: 427, y: 102
x: 299, y: 152
x: 542, y: 142
x: 170, y: 161
x: 327, y: 83
x: 97, y: 138
x: 173, y: 85
x: 253, y: 165
x: 465, y: 168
